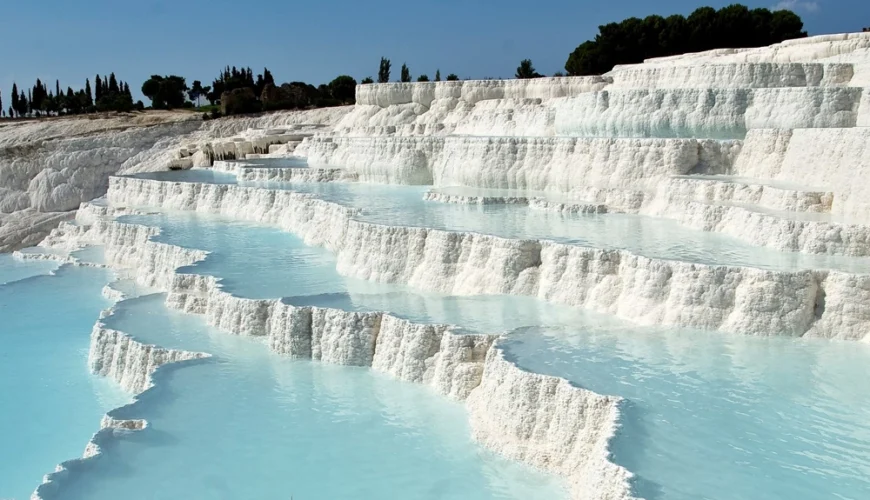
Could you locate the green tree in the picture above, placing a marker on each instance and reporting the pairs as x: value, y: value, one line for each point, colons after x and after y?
x: 113, y: 84
x: 423, y: 78
x: 98, y: 88
x: 151, y: 87
x: 165, y: 92
x: 384, y: 71
x: 72, y: 104
x: 22, y: 104
x: 196, y: 91
x: 343, y: 88
x: 89, y: 100
x: 452, y: 77
x: 367, y: 80
x: 633, y: 40
x: 437, y: 75
x: 527, y: 70
x: 406, y: 74
x: 14, y: 108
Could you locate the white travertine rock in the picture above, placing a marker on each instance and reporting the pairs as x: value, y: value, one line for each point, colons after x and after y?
x: 764, y: 193
x: 769, y: 145
x: 543, y: 164
x: 474, y: 91
x: 51, y: 166
x: 568, y: 164
x: 389, y: 160
x: 522, y: 415
x: 456, y: 365
x: 837, y: 160
x: 118, y: 356
x: 715, y: 113
x: 283, y: 174
x: 786, y: 231
x: 735, y: 75
x: 644, y: 290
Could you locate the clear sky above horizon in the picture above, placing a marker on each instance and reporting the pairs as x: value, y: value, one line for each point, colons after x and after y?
x: 316, y: 41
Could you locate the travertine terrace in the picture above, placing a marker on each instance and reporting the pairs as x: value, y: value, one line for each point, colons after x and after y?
x: 769, y: 146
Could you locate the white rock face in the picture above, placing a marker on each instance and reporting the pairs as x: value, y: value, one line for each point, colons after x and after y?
x: 644, y: 290
x: 386, y: 160
x: 459, y: 366
x: 280, y: 174
x: 118, y: 356
x: 736, y: 75
x: 769, y: 145
x: 715, y: 113
x: 51, y: 166
x: 521, y: 415
x: 543, y: 164
x: 834, y: 159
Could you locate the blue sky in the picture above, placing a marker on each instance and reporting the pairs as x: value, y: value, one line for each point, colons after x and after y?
x: 316, y: 41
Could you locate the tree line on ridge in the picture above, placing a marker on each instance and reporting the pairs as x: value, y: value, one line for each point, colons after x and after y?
x: 237, y: 91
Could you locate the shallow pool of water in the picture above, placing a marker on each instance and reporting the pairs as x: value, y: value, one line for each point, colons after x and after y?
x: 251, y: 424
x: 771, y: 415
x: 13, y: 269
x: 51, y: 405
x: 260, y: 262
x: 652, y: 237
x: 721, y: 417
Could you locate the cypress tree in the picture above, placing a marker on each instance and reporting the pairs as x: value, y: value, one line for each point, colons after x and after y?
x: 57, y: 87
x: 22, y: 104
x: 98, y: 88
x: 437, y: 75
x: 89, y: 100
x: 14, y: 106
x: 71, y: 103
x: 384, y: 71
x: 113, y: 84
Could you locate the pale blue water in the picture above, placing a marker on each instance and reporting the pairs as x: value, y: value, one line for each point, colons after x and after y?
x: 706, y: 415
x: 12, y: 269
x: 253, y: 261
x: 51, y: 405
x: 648, y: 236
x: 91, y: 255
x: 260, y: 262
x: 721, y: 417
x: 251, y: 424
x: 288, y: 162
x: 749, y: 417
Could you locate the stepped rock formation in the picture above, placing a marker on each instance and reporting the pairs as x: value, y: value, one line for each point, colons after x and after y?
x: 769, y: 145
x: 48, y: 167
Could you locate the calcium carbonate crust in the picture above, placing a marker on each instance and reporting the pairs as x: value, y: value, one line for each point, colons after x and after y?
x: 673, y: 178
x: 49, y: 167
x: 559, y: 428
x: 640, y: 289
x: 248, y: 173
x: 132, y: 365
x: 787, y: 124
